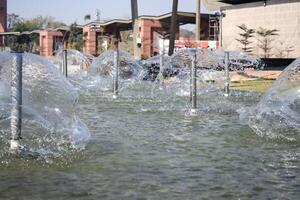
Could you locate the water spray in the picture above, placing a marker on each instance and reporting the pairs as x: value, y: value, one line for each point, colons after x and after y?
x: 116, y: 75
x: 161, y: 69
x: 193, y: 81
x: 65, y: 62
x: 227, y: 81
x: 16, y: 97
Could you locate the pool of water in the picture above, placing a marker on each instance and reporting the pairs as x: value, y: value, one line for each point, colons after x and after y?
x: 145, y: 148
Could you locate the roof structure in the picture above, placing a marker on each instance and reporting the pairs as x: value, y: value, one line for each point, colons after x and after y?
x: 234, y: 2
x: 122, y: 24
x: 61, y: 28
x: 19, y: 33
x: 217, y: 4
x: 126, y: 24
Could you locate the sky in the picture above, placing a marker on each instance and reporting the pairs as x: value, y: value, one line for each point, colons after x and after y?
x: 70, y: 11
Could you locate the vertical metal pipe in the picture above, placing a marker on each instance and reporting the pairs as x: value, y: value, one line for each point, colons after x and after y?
x: 194, y: 83
x: 161, y: 68
x: 161, y: 62
x: 227, y: 78
x: 16, y: 97
x: 135, y: 26
x: 65, y: 62
x: 173, y: 27
x: 221, y: 29
x: 198, y: 20
x: 116, y: 75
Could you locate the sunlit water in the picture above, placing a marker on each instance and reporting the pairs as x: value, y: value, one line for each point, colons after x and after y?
x: 278, y: 113
x: 50, y: 124
x: 152, y: 149
x: 146, y: 145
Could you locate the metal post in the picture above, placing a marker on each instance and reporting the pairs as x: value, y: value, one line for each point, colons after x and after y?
x: 135, y: 26
x: 227, y: 81
x: 194, y: 84
x: 198, y: 20
x: 161, y: 68
x: 65, y: 62
x: 116, y: 75
x: 221, y: 29
x: 173, y: 27
x: 16, y: 95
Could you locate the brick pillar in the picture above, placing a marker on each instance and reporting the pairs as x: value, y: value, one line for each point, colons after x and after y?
x: 47, y: 41
x: 90, y: 41
x: 148, y: 36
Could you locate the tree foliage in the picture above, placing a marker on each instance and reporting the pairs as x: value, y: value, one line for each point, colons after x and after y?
x: 75, y: 38
x: 246, y: 34
x: 29, y: 42
x: 265, y: 40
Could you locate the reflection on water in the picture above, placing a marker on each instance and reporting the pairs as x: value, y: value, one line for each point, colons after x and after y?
x: 145, y: 149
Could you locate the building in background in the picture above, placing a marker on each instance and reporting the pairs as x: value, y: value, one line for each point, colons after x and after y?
x: 282, y: 15
x: 153, y: 32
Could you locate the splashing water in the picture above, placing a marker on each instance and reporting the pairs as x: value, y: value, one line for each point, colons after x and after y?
x: 278, y: 113
x: 168, y: 82
x: 104, y: 65
x: 77, y: 61
x: 210, y: 65
x: 50, y: 125
x: 155, y: 71
x: 99, y: 78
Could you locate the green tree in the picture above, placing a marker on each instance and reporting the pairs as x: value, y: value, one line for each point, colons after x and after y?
x: 246, y: 34
x: 46, y: 22
x: 75, y: 38
x: 28, y: 42
x: 265, y: 40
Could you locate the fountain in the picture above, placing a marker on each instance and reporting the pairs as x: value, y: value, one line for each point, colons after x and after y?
x: 104, y: 65
x: 73, y: 59
x: 103, y: 75
x: 227, y: 81
x: 16, y: 94
x: 116, y: 74
x: 158, y: 68
x: 193, y: 81
x: 147, y: 146
x: 65, y: 62
x: 277, y: 115
x: 49, y: 123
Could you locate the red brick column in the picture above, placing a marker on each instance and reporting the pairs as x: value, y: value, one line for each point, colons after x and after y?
x: 46, y: 42
x: 90, y: 41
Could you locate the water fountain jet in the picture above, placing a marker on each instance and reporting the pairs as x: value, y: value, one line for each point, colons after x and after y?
x: 65, y: 62
x: 16, y: 95
x: 277, y: 115
x: 227, y: 78
x: 116, y: 75
x: 193, y: 94
x: 44, y: 105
